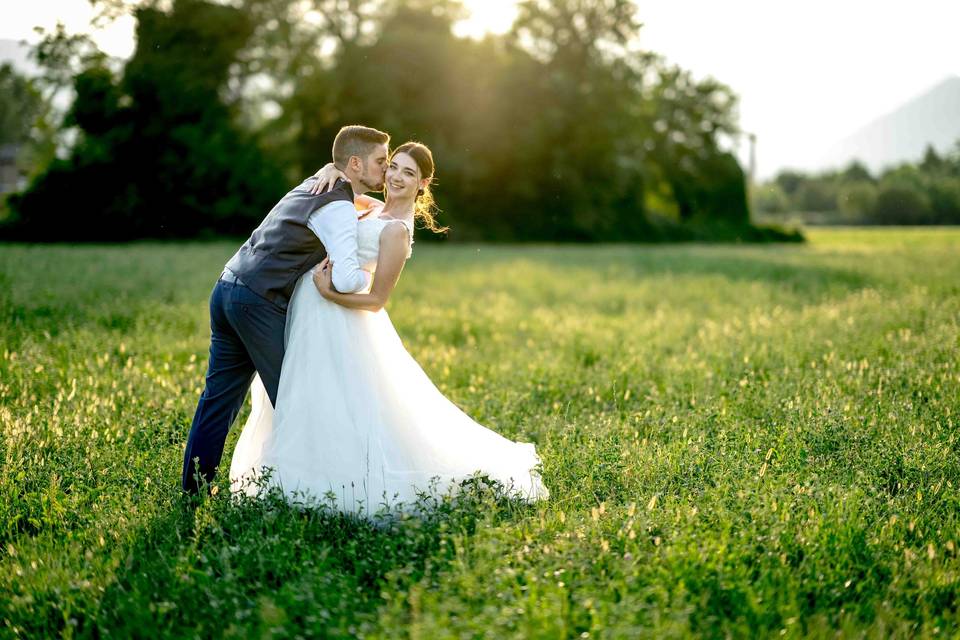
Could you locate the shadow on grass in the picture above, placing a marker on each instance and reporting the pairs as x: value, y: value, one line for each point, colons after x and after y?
x: 686, y: 274
x: 786, y: 265
x: 755, y: 265
x: 252, y: 566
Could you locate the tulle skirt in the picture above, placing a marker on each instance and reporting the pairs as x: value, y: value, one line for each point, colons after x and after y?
x: 359, y: 426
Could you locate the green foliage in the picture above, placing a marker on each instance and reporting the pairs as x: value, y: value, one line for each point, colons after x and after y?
x: 25, y: 118
x: 559, y: 119
x: 927, y: 192
x: 739, y: 442
x: 20, y: 105
x: 944, y: 194
x: 687, y: 120
x: 817, y: 196
x: 789, y: 181
x: 856, y: 199
x: 856, y: 172
x: 565, y: 134
x: 60, y: 57
x: 770, y: 198
x: 158, y: 153
x: 901, y: 205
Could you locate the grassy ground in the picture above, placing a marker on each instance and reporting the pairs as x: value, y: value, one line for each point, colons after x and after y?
x: 739, y: 441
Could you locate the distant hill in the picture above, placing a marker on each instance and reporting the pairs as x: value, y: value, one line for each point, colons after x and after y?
x: 931, y: 118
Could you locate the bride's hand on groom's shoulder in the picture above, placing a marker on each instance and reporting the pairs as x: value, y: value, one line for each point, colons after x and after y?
x: 323, y: 277
x: 326, y: 177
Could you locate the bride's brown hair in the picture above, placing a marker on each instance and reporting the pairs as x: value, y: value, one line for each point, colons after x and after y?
x: 424, y: 206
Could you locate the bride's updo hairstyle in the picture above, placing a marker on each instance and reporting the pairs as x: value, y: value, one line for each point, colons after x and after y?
x: 425, y: 209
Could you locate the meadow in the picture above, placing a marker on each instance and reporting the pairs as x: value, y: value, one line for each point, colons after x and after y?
x: 740, y: 441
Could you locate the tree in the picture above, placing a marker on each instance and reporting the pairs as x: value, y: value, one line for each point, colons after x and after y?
x: 901, y: 205
x: 20, y: 106
x: 579, y: 124
x: 790, y: 181
x: 944, y: 194
x: 816, y: 195
x: 770, y: 198
x: 689, y: 117
x: 856, y: 200
x: 158, y: 153
x: 560, y: 130
x: 932, y: 162
x: 856, y: 171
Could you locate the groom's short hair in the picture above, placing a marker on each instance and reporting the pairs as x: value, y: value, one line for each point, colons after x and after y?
x: 356, y: 140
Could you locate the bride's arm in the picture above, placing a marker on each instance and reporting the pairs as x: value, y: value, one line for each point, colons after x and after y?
x: 394, y: 242
x: 327, y: 177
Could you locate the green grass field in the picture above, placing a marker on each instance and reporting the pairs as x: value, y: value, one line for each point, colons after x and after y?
x: 740, y: 441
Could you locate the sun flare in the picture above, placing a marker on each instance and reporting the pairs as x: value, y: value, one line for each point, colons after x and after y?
x: 487, y: 16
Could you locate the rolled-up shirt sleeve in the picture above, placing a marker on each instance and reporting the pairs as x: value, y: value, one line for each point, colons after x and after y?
x: 336, y: 226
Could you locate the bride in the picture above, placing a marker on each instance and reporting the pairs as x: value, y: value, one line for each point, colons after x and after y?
x: 358, y: 424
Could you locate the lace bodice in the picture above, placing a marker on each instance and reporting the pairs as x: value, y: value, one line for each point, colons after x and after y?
x: 368, y: 240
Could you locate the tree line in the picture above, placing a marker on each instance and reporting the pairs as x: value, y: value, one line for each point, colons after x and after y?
x: 925, y: 192
x: 559, y: 130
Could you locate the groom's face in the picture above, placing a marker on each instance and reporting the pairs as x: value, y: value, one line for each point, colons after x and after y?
x: 374, y: 167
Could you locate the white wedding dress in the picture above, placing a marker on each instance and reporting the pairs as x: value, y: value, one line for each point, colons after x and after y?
x: 358, y: 424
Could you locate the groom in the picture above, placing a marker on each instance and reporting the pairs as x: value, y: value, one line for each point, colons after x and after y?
x: 248, y: 306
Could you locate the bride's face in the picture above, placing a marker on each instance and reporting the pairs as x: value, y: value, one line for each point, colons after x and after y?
x: 403, y: 177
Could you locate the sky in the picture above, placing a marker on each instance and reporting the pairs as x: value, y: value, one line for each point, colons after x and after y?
x: 807, y: 73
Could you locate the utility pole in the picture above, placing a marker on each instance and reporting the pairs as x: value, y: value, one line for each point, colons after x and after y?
x: 751, y: 173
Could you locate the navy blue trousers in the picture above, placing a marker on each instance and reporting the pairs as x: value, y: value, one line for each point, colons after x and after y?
x: 246, y: 337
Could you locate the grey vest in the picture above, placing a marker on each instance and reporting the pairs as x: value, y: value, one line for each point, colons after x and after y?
x: 283, y: 247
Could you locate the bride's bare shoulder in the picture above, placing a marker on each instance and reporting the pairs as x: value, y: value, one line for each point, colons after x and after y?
x: 395, y: 229
x: 395, y: 232
x: 395, y: 235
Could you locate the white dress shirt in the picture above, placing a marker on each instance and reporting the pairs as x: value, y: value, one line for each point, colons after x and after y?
x: 336, y: 226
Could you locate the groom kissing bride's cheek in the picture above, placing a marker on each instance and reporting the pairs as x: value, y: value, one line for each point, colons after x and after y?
x: 339, y: 407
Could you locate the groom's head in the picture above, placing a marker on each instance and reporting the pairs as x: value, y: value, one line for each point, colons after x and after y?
x: 361, y: 153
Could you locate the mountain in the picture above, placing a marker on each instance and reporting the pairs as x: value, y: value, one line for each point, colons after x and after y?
x: 932, y: 118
